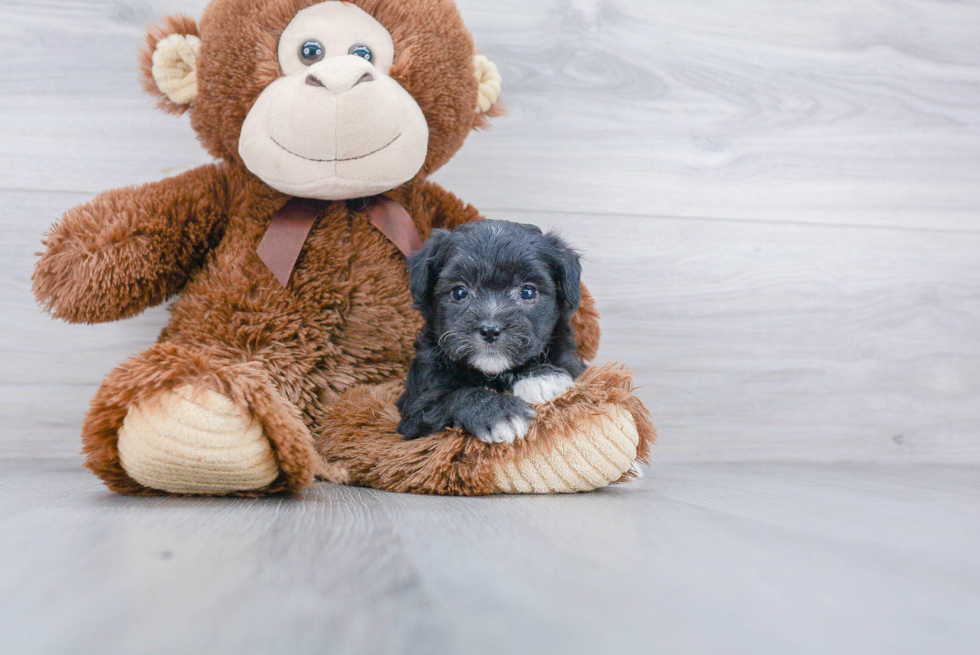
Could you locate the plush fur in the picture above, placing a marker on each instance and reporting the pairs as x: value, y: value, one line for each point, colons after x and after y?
x: 359, y: 430
x: 482, y: 337
x: 323, y: 357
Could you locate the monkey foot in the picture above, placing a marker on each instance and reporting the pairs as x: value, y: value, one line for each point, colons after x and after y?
x: 584, y: 439
x: 195, y: 441
x: 598, y: 451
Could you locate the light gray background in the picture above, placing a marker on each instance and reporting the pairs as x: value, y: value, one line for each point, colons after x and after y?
x: 779, y: 206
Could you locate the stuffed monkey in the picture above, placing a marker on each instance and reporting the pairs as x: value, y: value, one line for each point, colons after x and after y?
x: 291, y: 327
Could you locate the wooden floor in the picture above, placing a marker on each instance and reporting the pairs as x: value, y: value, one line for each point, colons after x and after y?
x: 779, y: 207
x: 707, y: 558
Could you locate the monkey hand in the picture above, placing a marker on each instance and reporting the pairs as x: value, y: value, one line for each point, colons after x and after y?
x: 129, y: 249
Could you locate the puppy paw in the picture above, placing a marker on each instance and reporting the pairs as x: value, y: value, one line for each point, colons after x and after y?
x: 542, y: 388
x: 505, y: 420
x: 507, y: 431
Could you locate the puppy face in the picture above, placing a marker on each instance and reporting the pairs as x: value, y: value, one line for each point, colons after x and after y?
x: 493, y: 292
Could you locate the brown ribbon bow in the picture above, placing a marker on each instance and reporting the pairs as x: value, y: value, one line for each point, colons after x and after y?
x: 283, y: 241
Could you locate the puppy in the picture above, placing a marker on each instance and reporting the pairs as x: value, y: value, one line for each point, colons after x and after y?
x: 497, y: 298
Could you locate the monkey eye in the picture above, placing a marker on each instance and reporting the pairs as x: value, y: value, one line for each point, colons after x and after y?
x: 361, y: 51
x: 528, y: 292
x: 459, y: 292
x: 311, y: 52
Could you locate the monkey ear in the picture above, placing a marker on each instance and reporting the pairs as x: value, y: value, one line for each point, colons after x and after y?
x: 491, y: 85
x: 424, y: 267
x: 566, y: 267
x: 168, y: 63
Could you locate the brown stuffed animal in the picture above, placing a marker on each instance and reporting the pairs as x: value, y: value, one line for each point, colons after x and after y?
x: 292, y: 327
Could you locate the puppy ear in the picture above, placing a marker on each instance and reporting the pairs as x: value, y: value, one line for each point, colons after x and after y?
x: 425, y: 265
x: 566, y: 270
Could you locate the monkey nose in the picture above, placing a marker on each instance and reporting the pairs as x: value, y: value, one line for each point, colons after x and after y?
x: 312, y: 80
x: 336, y: 84
x: 490, y: 332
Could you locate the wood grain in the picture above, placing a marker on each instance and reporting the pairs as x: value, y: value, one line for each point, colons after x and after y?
x: 693, y: 559
x: 790, y: 342
x: 833, y: 112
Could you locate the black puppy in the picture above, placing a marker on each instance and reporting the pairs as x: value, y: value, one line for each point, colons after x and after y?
x: 497, y: 298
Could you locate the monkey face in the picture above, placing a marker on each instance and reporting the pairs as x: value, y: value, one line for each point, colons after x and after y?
x: 335, y: 125
x: 321, y: 98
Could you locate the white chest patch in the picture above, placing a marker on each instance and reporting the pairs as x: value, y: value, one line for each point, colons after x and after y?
x: 490, y: 363
x: 542, y: 388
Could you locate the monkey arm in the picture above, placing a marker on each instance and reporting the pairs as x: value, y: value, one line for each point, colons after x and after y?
x: 585, y: 325
x: 131, y: 248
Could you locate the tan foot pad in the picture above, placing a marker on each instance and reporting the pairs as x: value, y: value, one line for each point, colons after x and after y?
x: 195, y: 442
x: 597, y: 455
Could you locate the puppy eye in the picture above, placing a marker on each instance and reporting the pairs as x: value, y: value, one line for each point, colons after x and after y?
x: 361, y: 51
x: 528, y: 292
x: 459, y: 293
x: 311, y: 52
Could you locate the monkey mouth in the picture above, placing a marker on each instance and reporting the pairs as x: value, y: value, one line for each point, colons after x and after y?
x: 339, y: 159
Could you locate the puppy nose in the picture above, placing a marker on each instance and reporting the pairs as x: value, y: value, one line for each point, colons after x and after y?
x: 340, y: 74
x: 490, y: 331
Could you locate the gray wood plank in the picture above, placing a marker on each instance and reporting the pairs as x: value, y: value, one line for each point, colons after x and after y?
x: 693, y: 559
x: 173, y: 576
x: 790, y: 342
x: 835, y: 112
x: 832, y: 112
